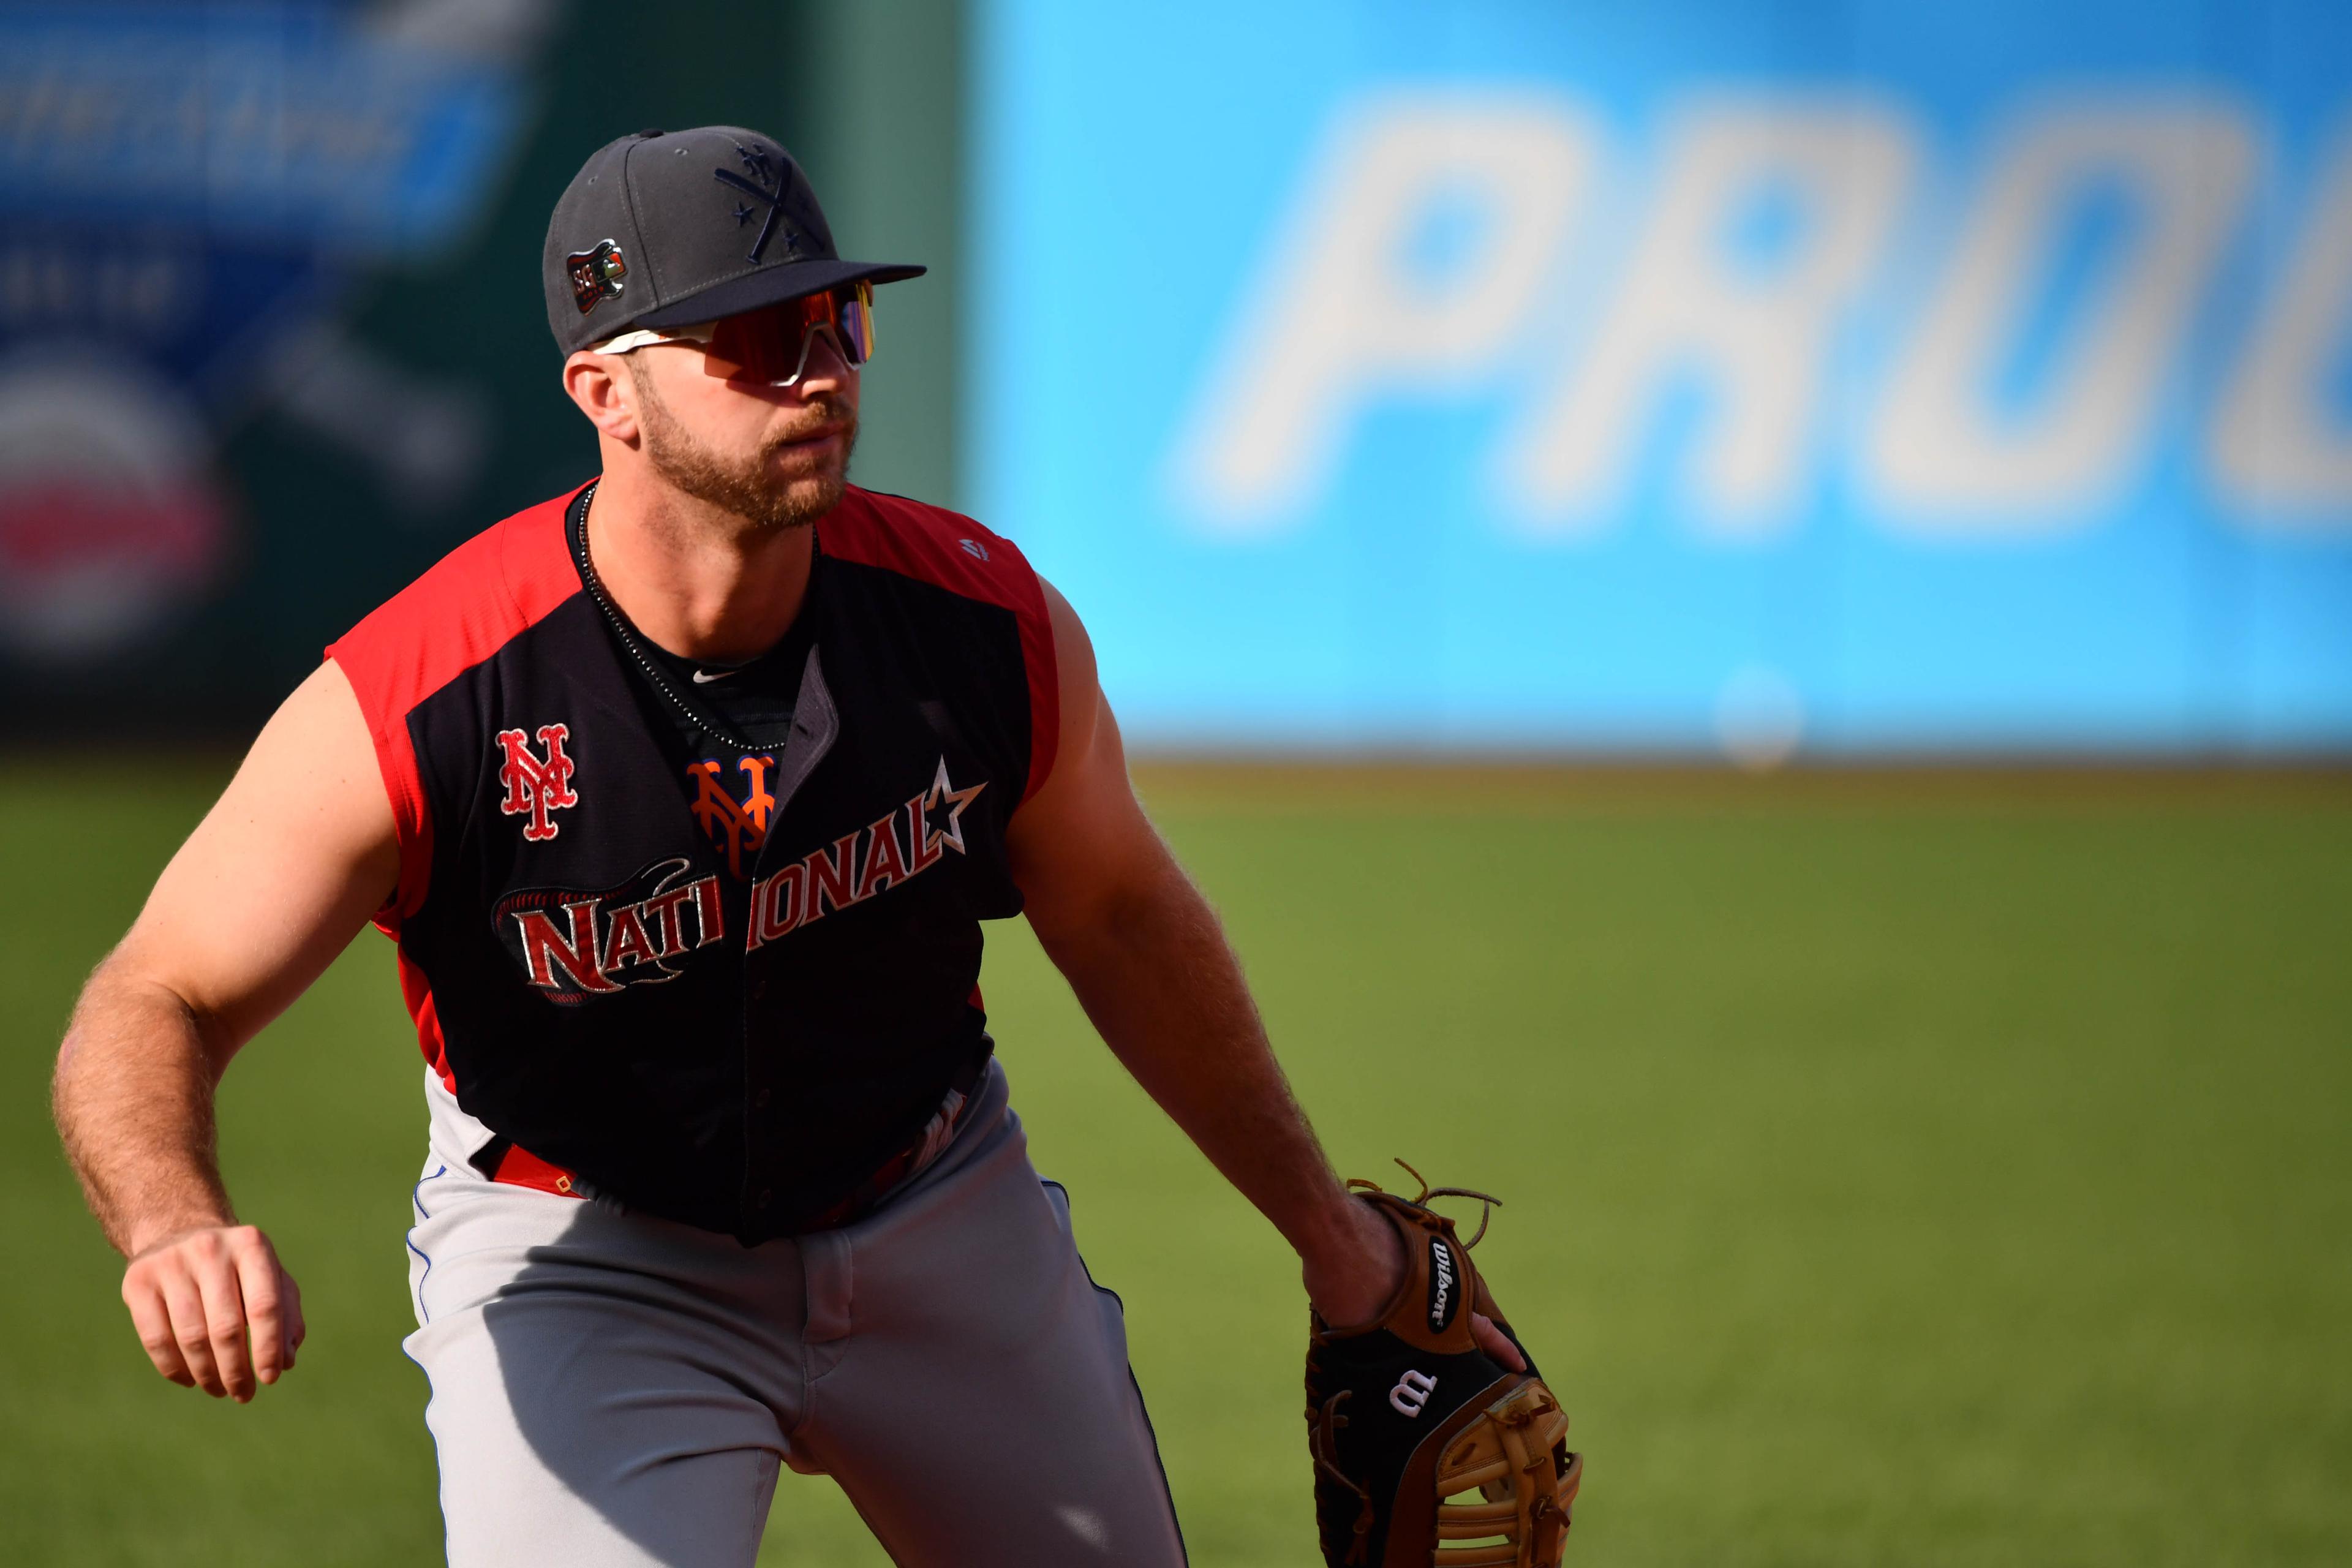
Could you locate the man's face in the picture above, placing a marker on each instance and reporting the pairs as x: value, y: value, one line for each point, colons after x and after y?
x: 776, y: 457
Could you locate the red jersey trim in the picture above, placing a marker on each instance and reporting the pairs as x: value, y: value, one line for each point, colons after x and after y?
x: 470, y: 603
x: 416, y: 989
x: 947, y: 550
x: 519, y: 1167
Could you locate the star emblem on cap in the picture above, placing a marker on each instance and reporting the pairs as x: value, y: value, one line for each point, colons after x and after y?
x: 756, y: 163
x: 943, y: 811
x: 766, y: 188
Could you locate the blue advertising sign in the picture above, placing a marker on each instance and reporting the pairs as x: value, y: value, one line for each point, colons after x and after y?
x: 1752, y: 375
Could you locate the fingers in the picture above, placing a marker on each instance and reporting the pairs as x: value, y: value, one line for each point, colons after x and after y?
x: 186, y: 1302
x: 152, y: 1319
x: 216, y: 1310
x: 296, y: 1331
x: 1494, y: 1342
x: 262, y: 1286
x: 217, y: 1276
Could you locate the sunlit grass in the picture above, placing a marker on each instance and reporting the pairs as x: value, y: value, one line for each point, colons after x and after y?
x: 1901, y: 1175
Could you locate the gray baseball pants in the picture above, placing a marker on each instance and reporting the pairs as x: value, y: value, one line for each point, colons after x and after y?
x: 610, y: 1389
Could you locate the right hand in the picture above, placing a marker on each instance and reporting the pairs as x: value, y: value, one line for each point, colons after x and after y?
x: 215, y: 1309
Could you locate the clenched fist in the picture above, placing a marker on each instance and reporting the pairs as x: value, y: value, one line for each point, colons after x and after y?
x: 215, y: 1309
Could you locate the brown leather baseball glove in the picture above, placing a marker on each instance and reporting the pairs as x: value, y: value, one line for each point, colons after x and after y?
x: 1427, y: 1451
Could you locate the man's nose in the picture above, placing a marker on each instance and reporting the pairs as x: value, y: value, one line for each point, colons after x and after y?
x: 828, y: 366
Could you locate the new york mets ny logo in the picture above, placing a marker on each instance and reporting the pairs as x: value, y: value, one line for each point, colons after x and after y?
x: 535, y: 785
x: 739, y: 828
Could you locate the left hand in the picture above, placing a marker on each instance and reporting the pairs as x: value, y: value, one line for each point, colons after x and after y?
x: 1350, y: 1279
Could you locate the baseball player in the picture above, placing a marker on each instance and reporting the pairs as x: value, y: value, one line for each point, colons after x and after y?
x: 683, y: 795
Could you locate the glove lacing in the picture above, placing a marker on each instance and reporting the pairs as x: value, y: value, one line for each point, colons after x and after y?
x: 1322, y: 1427
x: 1491, y: 1203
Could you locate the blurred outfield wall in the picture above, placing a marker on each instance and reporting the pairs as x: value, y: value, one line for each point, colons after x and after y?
x: 271, y: 335
x: 1749, y: 374
x: 1527, y: 375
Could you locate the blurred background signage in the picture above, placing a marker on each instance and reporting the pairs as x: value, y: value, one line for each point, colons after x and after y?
x: 1709, y: 374
x: 271, y: 331
x: 1751, y: 376
x: 192, y: 191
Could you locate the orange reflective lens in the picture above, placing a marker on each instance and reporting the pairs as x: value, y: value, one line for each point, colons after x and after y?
x: 770, y: 345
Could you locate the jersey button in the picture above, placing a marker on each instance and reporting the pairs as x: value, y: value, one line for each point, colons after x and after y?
x: 760, y: 1101
x: 766, y: 1195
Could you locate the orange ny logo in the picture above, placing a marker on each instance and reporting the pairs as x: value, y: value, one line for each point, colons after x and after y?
x: 535, y: 785
x: 736, y: 827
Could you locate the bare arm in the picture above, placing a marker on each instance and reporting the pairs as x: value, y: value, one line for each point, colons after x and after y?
x: 272, y: 885
x: 1148, y: 961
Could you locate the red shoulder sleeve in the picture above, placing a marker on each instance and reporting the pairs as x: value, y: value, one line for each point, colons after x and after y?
x: 470, y: 603
x: 950, y: 551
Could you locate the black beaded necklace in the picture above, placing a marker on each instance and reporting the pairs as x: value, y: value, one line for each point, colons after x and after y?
x: 694, y: 712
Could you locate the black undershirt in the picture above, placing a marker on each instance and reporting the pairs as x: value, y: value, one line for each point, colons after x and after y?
x: 753, y: 700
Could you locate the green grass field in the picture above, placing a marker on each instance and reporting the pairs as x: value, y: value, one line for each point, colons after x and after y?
x: 1900, y: 1171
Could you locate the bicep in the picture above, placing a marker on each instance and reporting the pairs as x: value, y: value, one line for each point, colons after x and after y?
x: 1082, y: 837
x: 287, y: 867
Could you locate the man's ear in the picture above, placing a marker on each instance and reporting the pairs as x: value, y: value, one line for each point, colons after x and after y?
x: 602, y: 386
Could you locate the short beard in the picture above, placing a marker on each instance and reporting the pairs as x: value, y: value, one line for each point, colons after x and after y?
x: 743, y: 488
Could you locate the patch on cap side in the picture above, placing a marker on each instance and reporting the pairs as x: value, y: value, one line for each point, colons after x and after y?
x: 596, y: 274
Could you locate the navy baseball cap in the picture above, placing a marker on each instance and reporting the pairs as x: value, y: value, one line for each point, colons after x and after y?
x: 663, y: 228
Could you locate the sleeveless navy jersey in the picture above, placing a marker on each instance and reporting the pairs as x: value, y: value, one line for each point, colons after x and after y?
x: 722, y: 982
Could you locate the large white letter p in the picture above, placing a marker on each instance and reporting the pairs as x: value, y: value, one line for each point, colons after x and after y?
x: 1342, y: 311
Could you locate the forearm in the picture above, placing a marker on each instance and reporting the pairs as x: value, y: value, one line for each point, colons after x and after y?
x: 134, y: 1098
x: 1153, y: 971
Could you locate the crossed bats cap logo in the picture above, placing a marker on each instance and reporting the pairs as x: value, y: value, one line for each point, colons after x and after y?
x: 669, y: 228
x: 762, y: 186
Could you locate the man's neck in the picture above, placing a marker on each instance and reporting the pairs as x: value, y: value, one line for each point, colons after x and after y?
x: 697, y: 581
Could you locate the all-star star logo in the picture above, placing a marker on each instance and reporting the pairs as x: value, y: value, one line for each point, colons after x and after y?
x: 908, y: 840
x: 943, y: 811
x: 757, y: 163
